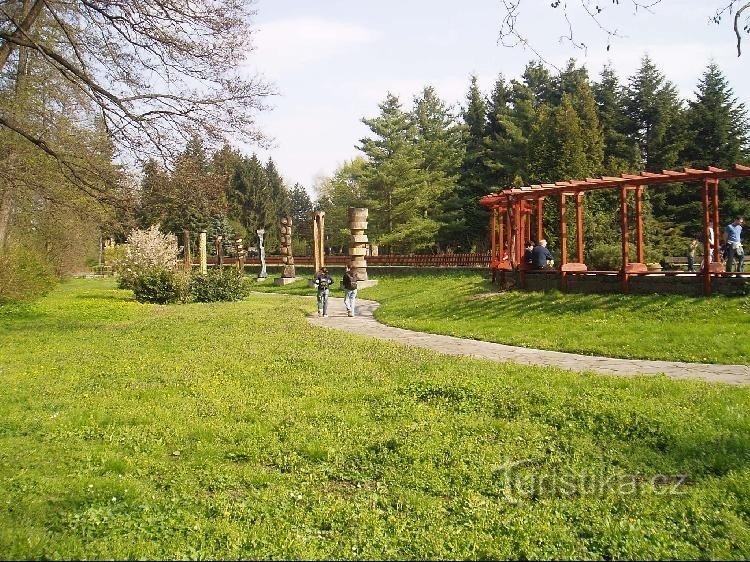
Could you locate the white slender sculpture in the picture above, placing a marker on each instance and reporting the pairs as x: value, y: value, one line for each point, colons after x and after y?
x: 262, y: 249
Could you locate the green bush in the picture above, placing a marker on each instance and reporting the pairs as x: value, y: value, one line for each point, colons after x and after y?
x: 159, y: 286
x: 227, y: 285
x: 24, y: 275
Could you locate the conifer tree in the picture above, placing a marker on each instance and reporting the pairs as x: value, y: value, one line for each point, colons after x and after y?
x: 505, y: 141
x: 467, y: 222
x: 396, y: 183
x: 717, y: 125
x: 620, y: 151
x: 440, y: 140
x: 575, y: 83
x: 653, y: 116
x: 301, y: 210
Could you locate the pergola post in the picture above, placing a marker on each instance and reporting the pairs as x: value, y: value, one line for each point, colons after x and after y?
x: 517, y: 248
x: 539, y: 219
x: 500, y: 233
x: 715, y: 184
x: 706, y: 244
x: 563, y: 242
x: 639, y: 222
x: 624, y: 235
x: 579, y: 225
x: 493, y: 234
x: 563, y: 232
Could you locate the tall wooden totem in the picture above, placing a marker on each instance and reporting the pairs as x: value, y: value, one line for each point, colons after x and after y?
x: 358, y: 242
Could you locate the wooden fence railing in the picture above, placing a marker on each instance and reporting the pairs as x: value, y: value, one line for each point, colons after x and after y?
x: 403, y: 260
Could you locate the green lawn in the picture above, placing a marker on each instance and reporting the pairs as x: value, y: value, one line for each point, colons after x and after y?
x: 239, y: 430
x: 460, y: 303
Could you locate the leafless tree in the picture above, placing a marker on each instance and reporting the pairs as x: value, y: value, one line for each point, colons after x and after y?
x: 511, y: 35
x: 156, y: 71
x: 735, y: 9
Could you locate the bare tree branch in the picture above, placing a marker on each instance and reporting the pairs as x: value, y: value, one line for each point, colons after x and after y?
x: 511, y: 35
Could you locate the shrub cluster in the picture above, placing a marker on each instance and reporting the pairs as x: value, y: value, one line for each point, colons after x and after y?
x: 162, y: 287
x: 25, y: 274
x: 226, y: 285
x: 148, y: 265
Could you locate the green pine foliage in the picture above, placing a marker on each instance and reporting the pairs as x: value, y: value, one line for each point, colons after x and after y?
x: 545, y: 128
x: 399, y: 189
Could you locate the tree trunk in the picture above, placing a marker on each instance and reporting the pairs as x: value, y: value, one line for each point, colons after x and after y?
x: 29, y: 18
x: 6, y: 208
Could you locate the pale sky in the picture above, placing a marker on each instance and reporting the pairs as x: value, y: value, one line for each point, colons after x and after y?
x: 333, y: 61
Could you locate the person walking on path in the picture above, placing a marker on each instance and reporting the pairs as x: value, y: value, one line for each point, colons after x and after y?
x: 323, y: 283
x: 350, y: 289
x: 734, y: 245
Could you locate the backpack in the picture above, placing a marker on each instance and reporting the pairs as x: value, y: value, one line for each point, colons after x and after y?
x: 350, y: 280
x: 324, y: 282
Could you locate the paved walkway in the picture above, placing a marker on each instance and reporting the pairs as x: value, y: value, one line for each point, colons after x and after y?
x: 364, y: 323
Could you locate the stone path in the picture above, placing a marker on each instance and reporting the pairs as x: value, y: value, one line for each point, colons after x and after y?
x: 364, y: 323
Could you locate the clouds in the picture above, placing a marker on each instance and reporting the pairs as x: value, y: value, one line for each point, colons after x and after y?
x: 287, y: 45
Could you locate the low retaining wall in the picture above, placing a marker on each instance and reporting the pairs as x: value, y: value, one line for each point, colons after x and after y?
x: 640, y: 284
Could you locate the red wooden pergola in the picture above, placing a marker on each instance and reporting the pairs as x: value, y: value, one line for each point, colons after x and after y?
x: 516, y: 212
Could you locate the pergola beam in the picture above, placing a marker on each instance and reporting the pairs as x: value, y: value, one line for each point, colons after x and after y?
x: 645, y: 179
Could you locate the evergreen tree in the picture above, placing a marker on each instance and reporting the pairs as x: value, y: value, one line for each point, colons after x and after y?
x: 717, y: 125
x: 279, y: 193
x: 557, y: 148
x: 505, y: 141
x: 467, y: 222
x: 301, y: 211
x: 575, y: 83
x: 620, y: 151
x: 653, y: 117
x: 252, y: 201
x: 440, y: 140
x: 336, y: 194
x: 396, y: 183
x: 539, y: 81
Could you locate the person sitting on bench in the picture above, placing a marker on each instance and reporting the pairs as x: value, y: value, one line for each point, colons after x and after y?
x: 540, y: 256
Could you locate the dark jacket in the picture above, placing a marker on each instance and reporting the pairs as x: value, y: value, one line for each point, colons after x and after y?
x: 540, y: 255
x: 323, y: 281
x: 350, y: 280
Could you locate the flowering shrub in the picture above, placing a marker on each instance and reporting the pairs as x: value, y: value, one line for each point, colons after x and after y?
x: 147, y: 252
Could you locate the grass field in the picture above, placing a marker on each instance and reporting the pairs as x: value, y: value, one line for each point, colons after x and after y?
x: 460, y: 303
x: 239, y: 430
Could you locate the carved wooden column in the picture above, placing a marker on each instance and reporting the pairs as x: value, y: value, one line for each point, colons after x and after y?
x: 358, y: 241
x: 319, y: 239
x: 287, y: 259
x: 202, y: 253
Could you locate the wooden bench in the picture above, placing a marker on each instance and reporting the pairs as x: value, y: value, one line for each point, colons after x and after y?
x: 675, y: 262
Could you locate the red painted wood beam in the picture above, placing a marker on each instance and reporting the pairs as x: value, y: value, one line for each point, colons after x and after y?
x: 539, y: 219
x: 706, y: 245
x: 624, y: 234
x: 579, y: 225
x: 639, y: 222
